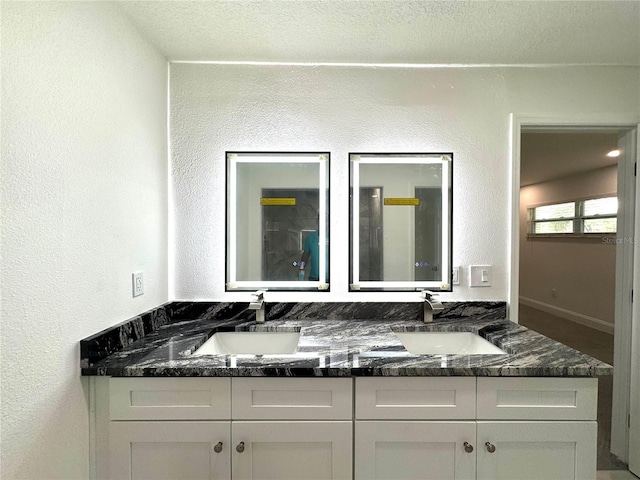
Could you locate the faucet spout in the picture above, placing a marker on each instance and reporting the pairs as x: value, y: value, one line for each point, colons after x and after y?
x: 431, y: 304
x: 257, y: 303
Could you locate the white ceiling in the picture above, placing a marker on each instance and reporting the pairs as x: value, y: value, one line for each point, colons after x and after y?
x: 393, y: 31
x: 546, y: 156
x: 413, y: 32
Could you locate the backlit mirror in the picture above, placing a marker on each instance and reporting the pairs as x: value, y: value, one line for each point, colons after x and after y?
x: 400, y: 220
x: 277, y: 218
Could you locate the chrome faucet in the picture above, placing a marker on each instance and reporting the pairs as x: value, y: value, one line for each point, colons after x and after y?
x: 257, y: 304
x: 430, y: 305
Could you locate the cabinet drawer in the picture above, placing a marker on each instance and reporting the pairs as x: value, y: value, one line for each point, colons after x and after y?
x: 292, y: 398
x: 416, y: 398
x: 170, y: 398
x: 537, y: 398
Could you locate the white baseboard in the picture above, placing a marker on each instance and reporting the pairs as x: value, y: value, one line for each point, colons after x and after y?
x: 569, y: 315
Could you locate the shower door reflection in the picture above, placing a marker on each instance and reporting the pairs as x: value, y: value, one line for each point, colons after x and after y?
x: 428, y: 232
x: 412, y: 249
x: 284, y: 231
x: 371, y: 238
x: 274, y: 201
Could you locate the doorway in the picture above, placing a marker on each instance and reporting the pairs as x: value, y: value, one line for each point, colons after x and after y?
x: 627, y: 261
x: 568, y: 216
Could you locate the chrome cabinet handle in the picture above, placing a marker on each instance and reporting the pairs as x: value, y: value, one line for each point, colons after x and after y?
x: 240, y: 447
x: 490, y: 447
x: 468, y: 447
x: 218, y: 447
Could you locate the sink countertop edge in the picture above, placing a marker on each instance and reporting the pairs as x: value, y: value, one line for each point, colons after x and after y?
x: 334, y: 348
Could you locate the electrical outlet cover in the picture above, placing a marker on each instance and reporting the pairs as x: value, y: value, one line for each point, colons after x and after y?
x: 455, y: 278
x: 138, y: 284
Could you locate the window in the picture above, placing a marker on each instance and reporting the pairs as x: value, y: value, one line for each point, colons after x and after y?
x: 581, y: 217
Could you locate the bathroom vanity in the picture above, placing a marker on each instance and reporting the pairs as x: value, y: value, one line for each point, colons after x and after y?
x: 351, y: 402
x: 402, y: 427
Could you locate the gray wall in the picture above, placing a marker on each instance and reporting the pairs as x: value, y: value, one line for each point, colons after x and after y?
x: 582, y: 271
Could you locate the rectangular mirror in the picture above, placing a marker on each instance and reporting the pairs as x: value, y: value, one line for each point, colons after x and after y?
x: 400, y: 221
x: 277, y: 216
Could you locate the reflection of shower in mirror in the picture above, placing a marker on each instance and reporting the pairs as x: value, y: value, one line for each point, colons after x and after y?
x: 274, y: 202
x: 400, y: 221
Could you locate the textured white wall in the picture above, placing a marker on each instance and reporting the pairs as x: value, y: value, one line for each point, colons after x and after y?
x: 348, y: 109
x: 84, y: 204
x: 582, y: 271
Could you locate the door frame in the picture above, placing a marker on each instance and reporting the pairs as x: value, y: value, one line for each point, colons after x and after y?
x: 633, y: 420
x: 622, y: 352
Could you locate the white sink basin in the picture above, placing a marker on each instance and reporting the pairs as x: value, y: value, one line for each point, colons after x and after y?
x: 446, y: 343
x: 250, y: 343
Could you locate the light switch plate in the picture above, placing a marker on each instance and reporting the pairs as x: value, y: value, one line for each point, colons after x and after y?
x: 480, y: 275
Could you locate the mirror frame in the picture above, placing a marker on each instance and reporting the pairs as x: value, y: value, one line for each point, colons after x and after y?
x: 444, y: 284
x: 233, y: 158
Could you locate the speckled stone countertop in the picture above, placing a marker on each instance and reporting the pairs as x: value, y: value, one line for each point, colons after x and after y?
x: 328, y: 347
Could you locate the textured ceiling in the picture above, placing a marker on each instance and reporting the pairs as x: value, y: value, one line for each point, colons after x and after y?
x: 546, y: 156
x: 393, y: 31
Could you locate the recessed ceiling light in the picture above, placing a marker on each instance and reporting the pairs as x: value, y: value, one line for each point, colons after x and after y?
x: 613, y: 153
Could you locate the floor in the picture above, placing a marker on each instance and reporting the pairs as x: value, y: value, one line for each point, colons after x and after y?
x: 599, y: 345
x: 615, y: 475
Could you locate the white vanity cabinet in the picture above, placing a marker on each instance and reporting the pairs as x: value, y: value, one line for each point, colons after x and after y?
x: 537, y: 428
x: 292, y: 428
x: 414, y: 450
x: 169, y: 450
x: 222, y: 428
x: 292, y: 450
x: 163, y: 428
x: 415, y: 428
x: 536, y: 450
x: 462, y: 428
x: 320, y: 428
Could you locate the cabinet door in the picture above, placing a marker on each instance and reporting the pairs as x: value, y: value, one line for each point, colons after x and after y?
x: 415, y: 450
x: 537, y: 450
x: 292, y: 450
x: 169, y: 450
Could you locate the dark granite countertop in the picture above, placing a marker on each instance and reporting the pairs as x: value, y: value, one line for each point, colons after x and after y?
x: 329, y: 347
